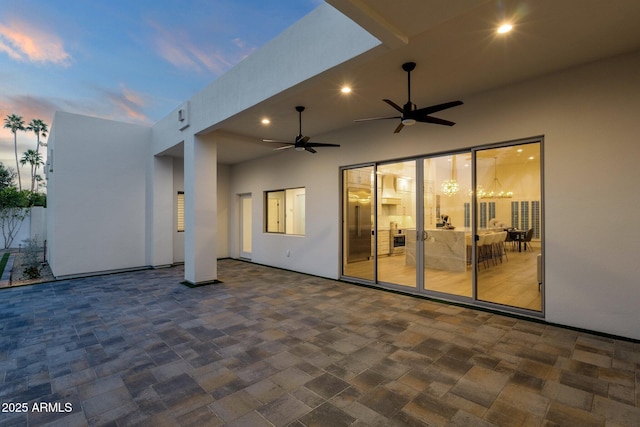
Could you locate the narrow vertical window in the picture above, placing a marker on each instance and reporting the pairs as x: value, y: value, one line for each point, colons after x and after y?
x: 483, y: 215
x: 514, y: 214
x: 467, y: 215
x: 524, y: 212
x: 535, y: 218
x: 180, y: 212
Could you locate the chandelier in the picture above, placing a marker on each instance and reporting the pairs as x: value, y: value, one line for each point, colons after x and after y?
x: 450, y: 186
x: 495, y: 190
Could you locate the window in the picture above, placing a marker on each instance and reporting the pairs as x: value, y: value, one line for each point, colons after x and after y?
x: 285, y: 211
x: 180, y: 212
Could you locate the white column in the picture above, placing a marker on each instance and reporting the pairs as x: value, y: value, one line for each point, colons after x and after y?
x: 160, y: 212
x: 200, y: 207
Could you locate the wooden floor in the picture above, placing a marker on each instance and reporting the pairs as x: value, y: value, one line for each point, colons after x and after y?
x: 512, y: 282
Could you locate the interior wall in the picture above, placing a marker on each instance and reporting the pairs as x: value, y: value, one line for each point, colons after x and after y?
x: 588, y: 117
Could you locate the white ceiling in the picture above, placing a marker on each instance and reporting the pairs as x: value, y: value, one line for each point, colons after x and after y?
x: 457, y: 52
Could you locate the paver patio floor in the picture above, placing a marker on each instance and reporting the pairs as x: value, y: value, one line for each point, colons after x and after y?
x: 272, y: 347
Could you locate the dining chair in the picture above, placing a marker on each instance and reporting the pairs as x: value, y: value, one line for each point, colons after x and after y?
x: 509, y: 239
x: 500, y: 244
x: 527, y: 240
x: 481, y: 250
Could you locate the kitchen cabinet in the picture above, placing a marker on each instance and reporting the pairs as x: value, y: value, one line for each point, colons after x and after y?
x: 383, y: 242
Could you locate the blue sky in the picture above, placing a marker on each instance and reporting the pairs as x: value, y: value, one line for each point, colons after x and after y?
x: 128, y: 60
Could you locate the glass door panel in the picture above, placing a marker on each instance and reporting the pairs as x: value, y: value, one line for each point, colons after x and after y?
x: 509, y: 245
x: 245, y: 225
x: 358, y: 244
x: 446, y: 233
x: 396, y: 226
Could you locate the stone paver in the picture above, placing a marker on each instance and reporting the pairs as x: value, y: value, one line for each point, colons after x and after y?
x: 272, y: 347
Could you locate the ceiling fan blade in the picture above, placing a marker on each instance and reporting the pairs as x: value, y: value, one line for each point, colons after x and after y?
x: 377, y: 118
x: 399, y: 128
x: 284, y: 147
x: 301, y: 140
x: 435, y: 108
x: 434, y: 120
x: 276, y: 141
x: 394, y: 105
x: 320, y: 144
x: 309, y: 149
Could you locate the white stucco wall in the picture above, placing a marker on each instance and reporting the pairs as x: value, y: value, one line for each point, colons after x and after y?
x: 96, y: 194
x: 33, y: 226
x: 310, y: 46
x: 588, y: 116
x: 222, y: 249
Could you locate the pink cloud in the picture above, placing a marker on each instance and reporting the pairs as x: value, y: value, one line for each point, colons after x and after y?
x: 179, y: 50
x: 24, y: 42
x: 127, y: 105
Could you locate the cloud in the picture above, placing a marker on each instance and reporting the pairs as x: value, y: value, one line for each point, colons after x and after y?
x: 29, y: 107
x: 24, y: 42
x: 179, y: 50
x: 127, y: 105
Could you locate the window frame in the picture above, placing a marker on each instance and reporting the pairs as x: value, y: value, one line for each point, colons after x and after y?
x: 292, y: 224
x: 180, y: 212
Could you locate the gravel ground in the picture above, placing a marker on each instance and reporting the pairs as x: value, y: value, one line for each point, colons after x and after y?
x: 18, y: 278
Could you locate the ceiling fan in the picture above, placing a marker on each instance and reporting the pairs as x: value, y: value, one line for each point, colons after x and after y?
x: 410, y: 114
x: 301, y: 142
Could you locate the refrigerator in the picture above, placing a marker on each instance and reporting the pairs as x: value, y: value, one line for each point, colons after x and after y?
x: 359, y: 228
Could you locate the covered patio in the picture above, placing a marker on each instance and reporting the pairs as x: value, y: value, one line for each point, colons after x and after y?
x: 273, y: 347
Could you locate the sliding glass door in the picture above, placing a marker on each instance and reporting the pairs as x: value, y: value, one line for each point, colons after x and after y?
x: 465, y: 226
x: 357, y: 217
x: 509, y: 227
x: 396, y: 223
x: 446, y: 224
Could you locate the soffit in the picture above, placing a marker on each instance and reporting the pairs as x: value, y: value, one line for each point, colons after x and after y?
x: 457, y: 54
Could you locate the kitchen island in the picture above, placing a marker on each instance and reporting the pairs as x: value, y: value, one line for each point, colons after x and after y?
x: 443, y: 250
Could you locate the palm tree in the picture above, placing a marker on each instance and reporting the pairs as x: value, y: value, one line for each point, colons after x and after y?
x: 39, y: 127
x: 34, y: 159
x: 15, y: 123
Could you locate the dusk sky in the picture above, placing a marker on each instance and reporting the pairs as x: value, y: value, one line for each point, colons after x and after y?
x: 127, y: 60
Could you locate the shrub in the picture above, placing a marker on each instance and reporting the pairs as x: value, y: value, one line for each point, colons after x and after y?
x: 31, y: 259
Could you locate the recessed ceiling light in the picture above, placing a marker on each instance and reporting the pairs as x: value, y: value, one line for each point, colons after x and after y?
x: 265, y: 121
x: 505, y: 28
x: 345, y: 89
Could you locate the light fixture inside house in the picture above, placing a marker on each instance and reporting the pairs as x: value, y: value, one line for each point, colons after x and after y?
x: 450, y: 186
x: 505, y: 28
x: 408, y: 122
x: 345, y: 89
x: 265, y: 121
x: 495, y: 190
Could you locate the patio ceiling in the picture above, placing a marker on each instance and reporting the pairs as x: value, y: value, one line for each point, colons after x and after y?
x: 457, y: 52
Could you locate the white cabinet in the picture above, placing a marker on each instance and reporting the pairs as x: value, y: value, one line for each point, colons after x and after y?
x: 383, y: 242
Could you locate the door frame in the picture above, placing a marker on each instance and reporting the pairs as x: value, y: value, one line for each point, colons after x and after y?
x: 245, y: 224
x: 419, y: 289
